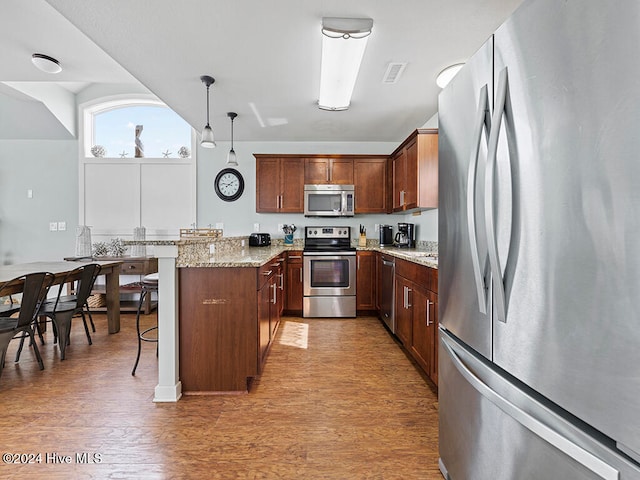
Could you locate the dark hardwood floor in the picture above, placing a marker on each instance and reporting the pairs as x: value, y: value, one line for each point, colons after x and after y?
x: 349, y: 406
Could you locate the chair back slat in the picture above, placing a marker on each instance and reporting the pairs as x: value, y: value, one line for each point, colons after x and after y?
x: 89, y: 274
x: 34, y: 291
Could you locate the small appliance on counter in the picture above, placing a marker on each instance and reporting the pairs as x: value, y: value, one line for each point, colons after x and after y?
x: 259, y: 240
x: 386, y: 235
x: 406, y: 236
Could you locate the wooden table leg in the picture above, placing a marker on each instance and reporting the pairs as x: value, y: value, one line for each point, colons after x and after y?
x: 112, y: 279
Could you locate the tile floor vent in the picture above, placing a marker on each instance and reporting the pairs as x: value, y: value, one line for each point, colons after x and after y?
x: 394, y: 70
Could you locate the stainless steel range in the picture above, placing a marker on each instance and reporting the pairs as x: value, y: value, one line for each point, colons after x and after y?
x: 329, y: 273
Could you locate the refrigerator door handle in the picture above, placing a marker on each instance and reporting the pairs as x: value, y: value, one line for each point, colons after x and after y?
x: 483, y: 119
x: 492, y: 241
x: 580, y: 455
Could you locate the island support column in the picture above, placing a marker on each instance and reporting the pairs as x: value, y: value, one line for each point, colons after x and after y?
x: 169, y: 388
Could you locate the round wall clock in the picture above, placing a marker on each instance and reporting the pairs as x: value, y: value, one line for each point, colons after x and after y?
x: 229, y: 184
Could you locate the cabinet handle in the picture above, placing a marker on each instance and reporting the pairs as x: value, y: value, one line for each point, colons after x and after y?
x: 328, y: 174
x: 300, y: 275
x: 291, y: 257
x: 428, y: 312
x: 408, y: 292
x: 281, y: 286
x: 266, y: 274
x: 274, y: 293
x: 401, y: 197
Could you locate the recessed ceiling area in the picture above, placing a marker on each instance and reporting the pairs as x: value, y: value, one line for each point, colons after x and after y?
x: 264, y: 56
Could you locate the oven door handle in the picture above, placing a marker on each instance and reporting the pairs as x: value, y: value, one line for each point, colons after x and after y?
x: 329, y: 255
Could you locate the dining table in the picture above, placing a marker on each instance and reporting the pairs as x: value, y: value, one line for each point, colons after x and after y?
x: 60, y: 269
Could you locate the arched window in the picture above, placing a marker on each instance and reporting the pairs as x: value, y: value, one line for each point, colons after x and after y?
x: 135, y: 128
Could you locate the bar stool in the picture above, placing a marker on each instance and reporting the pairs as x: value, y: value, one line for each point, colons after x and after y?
x: 149, y: 285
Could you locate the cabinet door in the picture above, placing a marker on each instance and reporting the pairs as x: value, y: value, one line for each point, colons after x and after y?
x: 422, y: 331
x: 403, y: 311
x: 370, y: 181
x: 399, y: 167
x: 292, y: 185
x: 294, y: 283
x: 428, y: 169
x: 411, y: 175
x: 267, y: 184
x: 316, y: 171
x: 341, y: 171
x: 264, y: 333
x: 366, y: 281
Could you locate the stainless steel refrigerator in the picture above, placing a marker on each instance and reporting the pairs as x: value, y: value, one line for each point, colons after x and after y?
x: 539, y: 242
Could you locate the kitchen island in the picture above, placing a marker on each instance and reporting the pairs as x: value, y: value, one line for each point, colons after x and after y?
x: 219, y: 309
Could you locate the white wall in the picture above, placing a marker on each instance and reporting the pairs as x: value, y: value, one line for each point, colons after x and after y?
x: 50, y: 169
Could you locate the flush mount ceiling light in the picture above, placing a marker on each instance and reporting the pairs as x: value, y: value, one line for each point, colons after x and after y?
x: 46, y: 63
x: 231, y: 156
x: 343, y: 43
x: 207, y: 132
x: 446, y: 75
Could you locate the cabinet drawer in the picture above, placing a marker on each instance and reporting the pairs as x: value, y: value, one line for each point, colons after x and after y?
x: 264, y: 274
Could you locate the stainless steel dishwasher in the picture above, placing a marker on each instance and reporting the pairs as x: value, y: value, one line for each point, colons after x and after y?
x: 387, y: 300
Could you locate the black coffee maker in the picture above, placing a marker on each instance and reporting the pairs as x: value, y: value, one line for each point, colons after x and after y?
x: 405, y: 238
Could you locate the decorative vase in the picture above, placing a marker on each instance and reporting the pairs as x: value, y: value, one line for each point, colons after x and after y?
x: 288, y: 239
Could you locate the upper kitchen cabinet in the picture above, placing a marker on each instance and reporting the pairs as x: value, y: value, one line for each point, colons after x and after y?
x: 415, y: 172
x: 321, y: 170
x: 371, y: 185
x: 279, y: 184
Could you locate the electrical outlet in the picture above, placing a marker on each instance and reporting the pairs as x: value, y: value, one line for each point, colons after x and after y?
x: 376, y: 227
x: 280, y: 225
x: 53, y: 226
x: 212, y: 248
x: 256, y: 227
x: 29, y: 193
x: 62, y: 226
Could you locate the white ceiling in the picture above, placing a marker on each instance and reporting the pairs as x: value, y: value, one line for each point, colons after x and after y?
x: 264, y: 55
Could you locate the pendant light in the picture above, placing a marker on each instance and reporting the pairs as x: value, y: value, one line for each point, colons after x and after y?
x: 207, y: 132
x: 231, y: 156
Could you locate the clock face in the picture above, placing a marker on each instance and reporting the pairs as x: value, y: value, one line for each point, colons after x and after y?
x: 229, y: 184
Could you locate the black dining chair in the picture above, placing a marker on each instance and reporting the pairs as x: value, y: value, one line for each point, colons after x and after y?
x: 72, y: 296
x: 62, y: 312
x: 13, y: 306
x: 34, y: 289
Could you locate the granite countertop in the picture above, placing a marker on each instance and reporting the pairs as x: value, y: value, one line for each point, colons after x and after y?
x: 229, y: 253
x: 258, y: 256
x: 243, y: 257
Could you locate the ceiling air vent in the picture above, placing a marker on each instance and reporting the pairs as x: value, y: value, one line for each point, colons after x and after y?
x: 394, y: 70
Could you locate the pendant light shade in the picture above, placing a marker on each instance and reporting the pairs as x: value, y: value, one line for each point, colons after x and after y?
x: 231, y: 156
x: 207, y: 133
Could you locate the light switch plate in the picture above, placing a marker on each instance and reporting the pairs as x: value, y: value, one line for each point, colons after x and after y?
x: 62, y: 226
x: 53, y: 226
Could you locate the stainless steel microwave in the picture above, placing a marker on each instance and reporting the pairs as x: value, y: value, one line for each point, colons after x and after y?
x: 329, y: 200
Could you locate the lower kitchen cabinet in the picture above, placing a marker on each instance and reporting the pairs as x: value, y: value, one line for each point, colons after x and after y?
x: 218, y: 341
x: 416, y: 311
x: 228, y: 321
x: 366, y: 281
x: 293, y: 282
